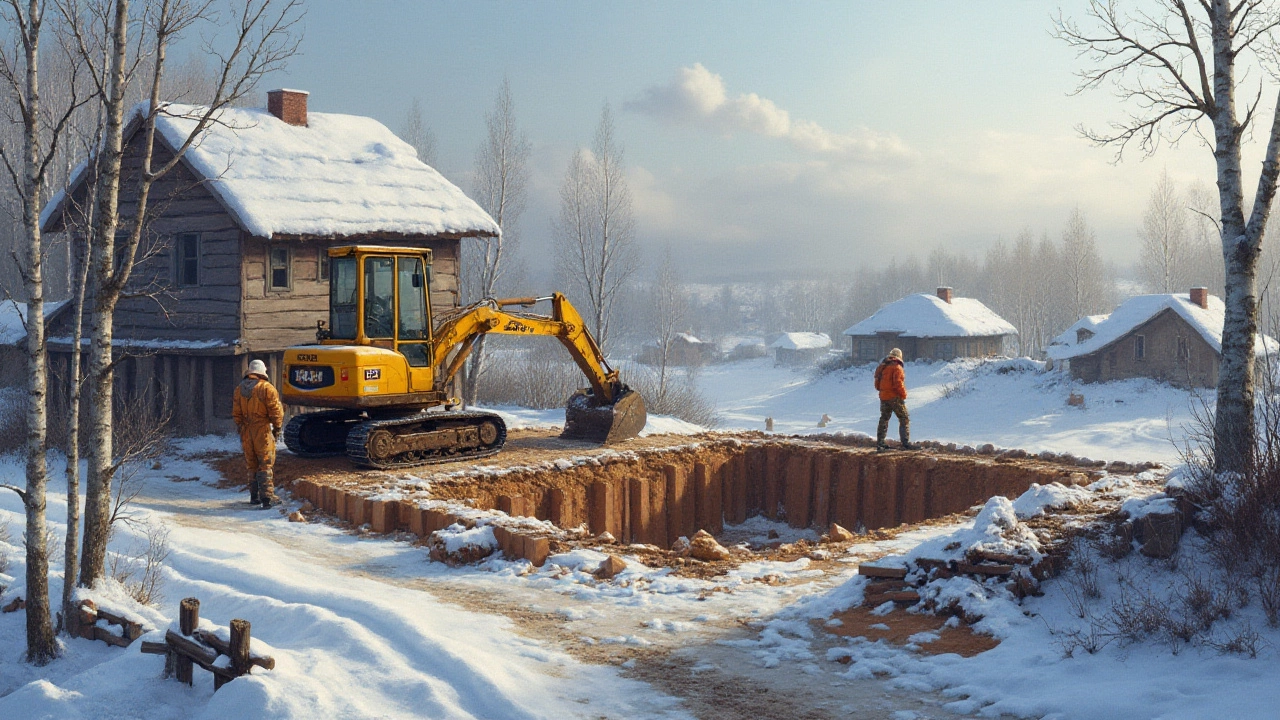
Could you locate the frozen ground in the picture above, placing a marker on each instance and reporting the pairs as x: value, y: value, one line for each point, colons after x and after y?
x: 368, y: 627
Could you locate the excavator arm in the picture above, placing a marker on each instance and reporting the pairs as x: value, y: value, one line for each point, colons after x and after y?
x: 609, y: 412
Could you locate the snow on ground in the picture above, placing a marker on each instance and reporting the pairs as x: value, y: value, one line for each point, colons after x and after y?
x: 347, y: 642
x: 1010, y: 403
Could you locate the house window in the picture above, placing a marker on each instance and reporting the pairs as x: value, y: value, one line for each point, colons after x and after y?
x: 322, y: 263
x: 1139, y: 347
x: 1184, y: 352
x: 944, y: 350
x: 187, y: 254
x: 278, y: 270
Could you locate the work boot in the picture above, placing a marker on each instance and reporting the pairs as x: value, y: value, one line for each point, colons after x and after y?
x: 266, y: 489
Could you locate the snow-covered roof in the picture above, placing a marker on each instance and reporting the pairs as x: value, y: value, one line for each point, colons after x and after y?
x: 925, y: 315
x: 1138, y: 310
x: 340, y: 175
x: 1088, y: 322
x: 13, y: 329
x: 802, y: 341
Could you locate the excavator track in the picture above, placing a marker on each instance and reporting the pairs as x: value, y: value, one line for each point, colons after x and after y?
x: 320, y: 434
x: 425, y: 439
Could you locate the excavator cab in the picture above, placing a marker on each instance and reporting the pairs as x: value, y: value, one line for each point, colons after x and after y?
x: 382, y: 358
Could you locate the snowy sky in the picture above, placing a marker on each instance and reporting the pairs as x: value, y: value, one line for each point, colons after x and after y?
x: 805, y: 135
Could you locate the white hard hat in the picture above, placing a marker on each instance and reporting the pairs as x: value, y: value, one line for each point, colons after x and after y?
x: 257, y: 367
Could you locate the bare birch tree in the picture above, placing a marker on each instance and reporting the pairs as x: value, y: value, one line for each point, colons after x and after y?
x: 669, y: 305
x: 1175, y: 65
x: 416, y: 132
x: 1083, y: 265
x: 262, y: 39
x: 1165, y: 256
x: 501, y: 184
x: 42, y: 130
x: 595, y: 233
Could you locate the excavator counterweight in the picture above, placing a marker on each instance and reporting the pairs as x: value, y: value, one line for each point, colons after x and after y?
x: 383, y: 364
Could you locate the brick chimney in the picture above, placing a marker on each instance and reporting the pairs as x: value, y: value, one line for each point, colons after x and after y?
x: 1200, y: 296
x: 288, y: 105
x: 945, y: 294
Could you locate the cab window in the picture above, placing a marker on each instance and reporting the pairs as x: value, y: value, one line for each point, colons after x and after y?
x: 379, y: 297
x: 342, y: 299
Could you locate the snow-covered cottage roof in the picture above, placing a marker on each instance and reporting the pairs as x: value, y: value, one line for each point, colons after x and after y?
x: 1069, y: 336
x: 925, y: 315
x: 339, y: 175
x: 13, y: 329
x: 1137, y: 310
x: 802, y: 341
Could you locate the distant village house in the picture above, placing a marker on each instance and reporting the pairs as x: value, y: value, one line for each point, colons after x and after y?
x: 685, y: 350
x: 931, y: 327
x: 800, y: 348
x: 1176, y: 338
x: 235, y: 257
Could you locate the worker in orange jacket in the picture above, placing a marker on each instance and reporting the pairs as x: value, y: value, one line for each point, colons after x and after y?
x: 891, y: 381
x: 260, y: 416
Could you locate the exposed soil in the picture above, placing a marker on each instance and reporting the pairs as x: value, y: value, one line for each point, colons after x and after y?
x: 898, y: 626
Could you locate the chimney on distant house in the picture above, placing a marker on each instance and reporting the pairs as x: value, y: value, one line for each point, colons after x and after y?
x: 1200, y: 296
x: 945, y: 294
x: 288, y: 105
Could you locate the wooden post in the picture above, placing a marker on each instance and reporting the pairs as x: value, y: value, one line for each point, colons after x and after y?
x: 207, y: 362
x: 189, y: 615
x: 239, y: 646
x: 188, y: 621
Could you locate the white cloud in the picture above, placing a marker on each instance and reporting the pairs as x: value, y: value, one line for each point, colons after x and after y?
x: 698, y: 96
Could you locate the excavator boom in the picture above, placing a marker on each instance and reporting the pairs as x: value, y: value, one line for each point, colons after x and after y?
x: 607, y: 412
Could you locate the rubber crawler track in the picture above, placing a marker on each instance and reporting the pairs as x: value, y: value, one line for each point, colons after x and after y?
x: 357, y: 439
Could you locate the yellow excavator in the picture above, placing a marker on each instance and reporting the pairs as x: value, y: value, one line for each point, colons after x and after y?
x: 382, y: 365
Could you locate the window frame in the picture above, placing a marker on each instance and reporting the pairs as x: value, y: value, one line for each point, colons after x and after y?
x: 288, y: 268
x: 179, y: 258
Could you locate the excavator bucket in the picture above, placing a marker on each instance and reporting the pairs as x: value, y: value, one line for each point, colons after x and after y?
x: 587, y: 419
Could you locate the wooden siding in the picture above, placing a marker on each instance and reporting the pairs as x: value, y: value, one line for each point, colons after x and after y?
x: 925, y: 348
x: 1160, y: 360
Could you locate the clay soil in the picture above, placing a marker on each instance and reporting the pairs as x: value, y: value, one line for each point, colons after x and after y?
x: 901, y: 625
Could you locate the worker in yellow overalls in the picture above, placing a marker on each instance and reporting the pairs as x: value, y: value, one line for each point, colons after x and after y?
x: 260, y: 417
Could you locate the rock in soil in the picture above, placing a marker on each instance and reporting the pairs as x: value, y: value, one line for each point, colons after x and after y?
x: 704, y: 547
x: 610, y: 567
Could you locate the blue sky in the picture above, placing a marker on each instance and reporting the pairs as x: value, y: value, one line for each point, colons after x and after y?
x: 804, y: 135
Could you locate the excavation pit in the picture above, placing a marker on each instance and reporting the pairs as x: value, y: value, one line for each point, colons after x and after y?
x: 654, y: 495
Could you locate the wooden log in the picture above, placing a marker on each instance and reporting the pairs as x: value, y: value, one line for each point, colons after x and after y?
x: 189, y: 615
x: 110, y: 638
x: 876, y: 571
x: 991, y: 570
x: 238, y: 650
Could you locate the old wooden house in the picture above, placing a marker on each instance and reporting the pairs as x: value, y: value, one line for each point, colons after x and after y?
x: 931, y: 327
x: 1176, y: 338
x: 800, y: 348
x: 234, y: 264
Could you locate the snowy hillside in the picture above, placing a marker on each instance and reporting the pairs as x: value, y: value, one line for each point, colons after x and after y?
x: 1011, y: 403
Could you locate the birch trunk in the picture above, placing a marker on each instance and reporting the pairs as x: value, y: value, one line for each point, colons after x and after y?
x: 41, y: 645
x: 97, y: 505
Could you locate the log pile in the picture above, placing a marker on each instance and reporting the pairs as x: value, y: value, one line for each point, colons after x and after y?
x: 902, y: 584
x: 194, y: 645
x: 89, y: 629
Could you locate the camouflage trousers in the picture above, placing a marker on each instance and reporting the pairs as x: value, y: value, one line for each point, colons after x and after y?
x: 894, y: 407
